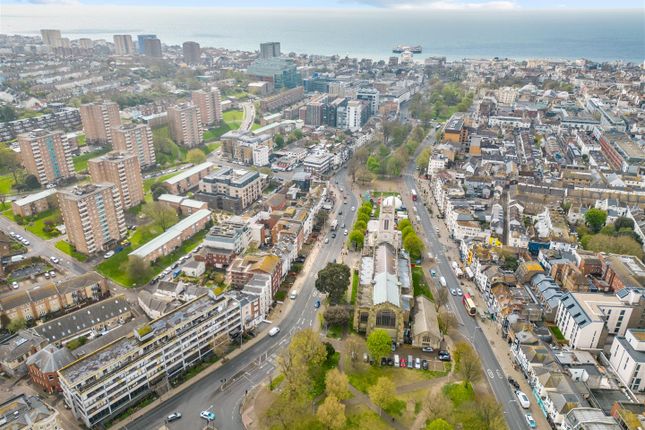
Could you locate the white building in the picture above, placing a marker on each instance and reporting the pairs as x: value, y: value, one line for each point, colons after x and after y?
x: 260, y: 285
x: 355, y: 115
x: 436, y: 163
x: 628, y: 359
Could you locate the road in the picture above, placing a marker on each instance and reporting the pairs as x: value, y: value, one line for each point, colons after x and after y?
x: 468, y: 326
x: 248, y: 110
x: 255, y: 364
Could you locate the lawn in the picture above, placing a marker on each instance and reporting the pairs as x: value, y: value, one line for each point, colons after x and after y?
x: 210, y: 147
x: 355, y: 281
x: 69, y: 250
x: 557, y: 333
x: 233, y: 116
x: 80, y: 140
x: 363, y: 378
x: 255, y: 126
x: 6, y: 182
x: 147, y: 183
x: 419, y: 283
x: 231, y: 120
x: 362, y: 417
x: 459, y: 393
x: 37, y: 224
x: 275, y: 382
x: 80, y: 162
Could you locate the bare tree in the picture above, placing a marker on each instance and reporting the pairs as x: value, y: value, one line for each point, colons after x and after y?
x: 162, y: 215
x: 441, y: 297
x: 446, y: 320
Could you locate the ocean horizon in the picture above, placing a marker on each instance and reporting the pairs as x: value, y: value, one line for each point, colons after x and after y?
x: 597, y: 35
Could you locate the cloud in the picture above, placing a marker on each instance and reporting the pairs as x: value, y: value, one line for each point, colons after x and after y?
x: 441, y: 4
x: 52, y: 2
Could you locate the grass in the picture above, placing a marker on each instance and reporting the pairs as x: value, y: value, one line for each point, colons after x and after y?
x: 255, y: 126
x: 364, y: 378
x: 362, y: 417
x: 6, y: 182
x: 210, y: 147
x: 37, y: 224
x: 80, y: 140
x: 147, y: 184
x: 419, y: 283
x: 215, y: 133
x: 80, y: 162
x: 275, y: 382
x: 231, y: 120
x: 9, y: 214
x: 355, y: 281
x: 459, y: 393
x: 396, y: 407
x: 68, y: 249
x: 233, y: 116
x: 557, y: 333
x: 318, y: 384
x: 168, y: 152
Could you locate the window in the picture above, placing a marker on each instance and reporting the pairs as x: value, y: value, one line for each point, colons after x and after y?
x: 386, y: 318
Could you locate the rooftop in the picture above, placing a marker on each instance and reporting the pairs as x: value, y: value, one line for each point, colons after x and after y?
x: 189, y: 172
x: 35, y: 197
x: 23, y: 412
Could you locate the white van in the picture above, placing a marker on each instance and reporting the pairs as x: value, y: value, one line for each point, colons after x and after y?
x: 523, y: 399
x: 396, y: 360
x: 274, y: 331
x: 293, y: 294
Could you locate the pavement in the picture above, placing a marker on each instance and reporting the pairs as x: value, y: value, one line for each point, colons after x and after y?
x: 254, y: 362
x: 468, y: 326
x: 248, y: 108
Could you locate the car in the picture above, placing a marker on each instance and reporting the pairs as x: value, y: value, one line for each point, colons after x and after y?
x: 317, y: 304
x: 14, y: 285
x: 108, y: 254
x: 207, y: 415
x: 402, y: 362
x: 523, y: 399
x: 383, y: 361
x: 333, y: 235
x: 47, y: 275
x: 514, y: 383
x: 345, y: 202
x: 353, y: 208
x: 397, y: 362
x: 12, y: 234
x: 274, y: 331
x: 342, y: 226
x: 444, y: 356
x: 390, y: 361
x: 173, y: 417
x: 393, y: 346
x: 54, y: 260
x: 346, y: 232
x: 293, y: 294
x: 530, y: 421
x: 417, y: 363
x: 410, y: 362
x: 453, y: 292
x: 427, y: 349
x: 433, y: 273
x: 326, y: 240
x: 26, y: 242
x: 424, y: 364
x: 459, y: 292
x: 52, y: 274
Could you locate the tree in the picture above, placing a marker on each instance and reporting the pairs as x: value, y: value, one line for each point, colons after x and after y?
x: 337, y: 315
x: 623, y: 222
x: 9, y: 162
x: 394, y: 166
x: 354, y: 345
x: 31, y: 182
x: 437, y: 406
x: 612, y: 244
x: 16, y: 325
x: 195, y: 156
x: 373, y: 165
x: 360, y: 225
x: 403, y: 224
x: 595, y: 219
x: 364, y: 176
x: 299, y: 360
x: 423, y: 159
x: 379, y: 344
x: 332, y: 413
x: 334, y: 280
x: 363, y: 217
x: 7, y: 113
x: 138, y: 269
x: 439, y: 424
x: 407, y: 231
x: 162, y: 215
x: 490, y: 413
x: 321, y: 218
x: 440, y: 297
x: 337, y: 384
x: 414, y: 246
x: 446, y: 320
x: 383, y: 393
x: 467, y: 364
x: 356, y: 239
x: 278, y: 140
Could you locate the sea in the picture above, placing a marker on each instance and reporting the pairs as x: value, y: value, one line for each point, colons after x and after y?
x: 597, y: 35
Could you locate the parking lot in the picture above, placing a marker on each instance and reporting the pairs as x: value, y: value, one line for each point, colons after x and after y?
x: 406, y: 351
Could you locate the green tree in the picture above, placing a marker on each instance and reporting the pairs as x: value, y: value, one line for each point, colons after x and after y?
x: 394, y: 166
x: 356, y: 238
x: 138, y: 269
x: 162, y: 215
x: 334, y: 280
x: 490, y: 413
x: 403, y: 224
x: 407, y: 231
x: 16, y: 325
x: 7, y: 113
x: 467, y: 364
x: 445, y: 320
x: 595, y: 219
x: 612, y: 244
x: 414, y: 246
x: 278, y: 140
x: 439, y: 424
x: 423, y: 159
x: 383, y: 393
x: 331, y: 413
x: 360, y: 225
x: 337, y: 384
x: 373, y: 164
x: 336, y: 315
x: 9, y: 162
x: 195, y: 156
x: 623, y: 222
x: 379, y: 344
x: 31, y: 182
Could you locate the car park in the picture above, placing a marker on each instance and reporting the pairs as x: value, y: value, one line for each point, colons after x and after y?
x: 523, y: 399
x: 207, y: 415
x: 530, y: 421
x: 274, y: 331
x: 173, y: 417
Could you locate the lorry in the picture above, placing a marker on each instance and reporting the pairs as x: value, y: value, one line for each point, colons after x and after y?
x: 442, y: 281
x: 334, y: 224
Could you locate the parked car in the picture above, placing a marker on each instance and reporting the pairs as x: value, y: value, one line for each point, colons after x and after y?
x: 346, y: 232
x: 514, y: 383
x: 108, y: 254
x: 207, y: 415
x: 333, y: 235
x: 417, y: 363
x: 293, y: 294
x: 52, y: 274
x: 173, y: 417
x: 353, y: 208
x: 14, y: 285
x: 54, y: 260
x: 397, y: 362
x: 12, y: 234
x: 427, y: 349
x: 274, y: 331
x: 453, y: 292
x: 390, y: 362
x: 523, y: 399
x: 444, y: 356
x: 410, y: 362
x: 459, y: 292
x: 424, y: 364
x: 383, y: 361
x: 530, y: 421
x: 326, y: 240
x: 46, y: 275
x: 317, y: 304
x: 403, y: 362
x: 26, y: 242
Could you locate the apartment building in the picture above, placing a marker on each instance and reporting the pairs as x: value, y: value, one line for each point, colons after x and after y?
x: 135, y: 138
x: 51, y: 37
x: 98, y: 120
x: 285, y: 98
x: 172, y: 238
x: 94, y: 387
x: 231, y: 189
x: 123, y: 44
x: 231, y: 235
x: 247, y: 147
x: 152, y: 48
x: 185, y: 125
x: 47, y: 155
x: 123, y: 170
x: 209, y: 103
x: 93, y: 216
x: 192, y: 52
x: 627, y: 358
x: 188, y: 179
x: 318, y: 163
x: 356, y: 114
x: 34, y: 203
x: 29, y: 413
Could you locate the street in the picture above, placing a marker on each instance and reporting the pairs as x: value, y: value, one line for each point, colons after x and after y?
x: 256, y: 363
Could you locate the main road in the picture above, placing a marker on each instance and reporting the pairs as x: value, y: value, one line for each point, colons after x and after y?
x: 256, y: 363
x: 468, y: 326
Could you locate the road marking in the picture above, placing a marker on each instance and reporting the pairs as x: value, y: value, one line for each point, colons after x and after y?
x: 490, y: 373
x: 499, y: 374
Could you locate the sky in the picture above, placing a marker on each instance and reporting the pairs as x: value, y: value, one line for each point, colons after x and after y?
x: 370, y: 4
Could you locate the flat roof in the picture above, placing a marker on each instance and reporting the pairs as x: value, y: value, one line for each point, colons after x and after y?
x: 35, y: 197
x: 189, y: 172
x: 170, y: 234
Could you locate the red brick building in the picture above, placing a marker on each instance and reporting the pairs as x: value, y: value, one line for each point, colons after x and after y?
x: 43, y: 367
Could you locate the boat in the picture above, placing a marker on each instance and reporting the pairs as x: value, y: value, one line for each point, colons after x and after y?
x: 402, y: 48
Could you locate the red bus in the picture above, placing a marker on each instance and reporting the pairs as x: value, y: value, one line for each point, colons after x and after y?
x: 469, y: 304
x: 414, y: 195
